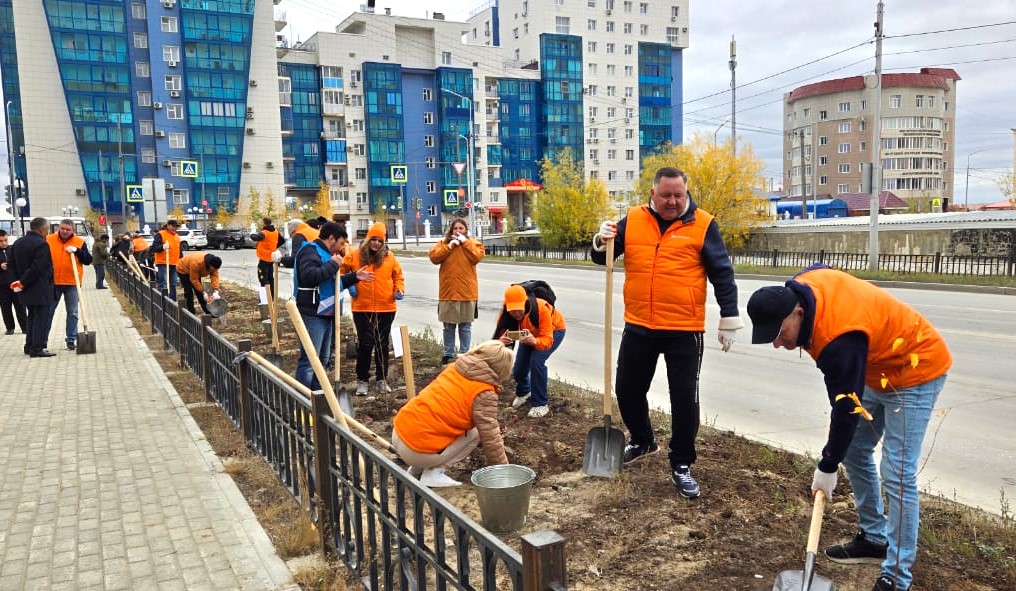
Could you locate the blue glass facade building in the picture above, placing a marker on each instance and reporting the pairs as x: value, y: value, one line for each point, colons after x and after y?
x: 561, y: 69
x: 12, y: 97
x: 655, y: 97
x: 519, y: 112
x: 301, y: 140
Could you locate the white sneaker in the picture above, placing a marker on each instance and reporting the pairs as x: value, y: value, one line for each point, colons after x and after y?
x: 382, y: 387
x: 436, y: 478
x: 520, y: 400
x: 539, y: 411
x: 361, y: 388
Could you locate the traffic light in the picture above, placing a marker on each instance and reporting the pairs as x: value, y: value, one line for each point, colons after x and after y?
x: 7, y: 193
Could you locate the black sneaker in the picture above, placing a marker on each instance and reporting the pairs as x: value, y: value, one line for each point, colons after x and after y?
x: 634, y: 451
x: 71, y: 345
x: 446, y: 359
x: 858, y: 551
x: 687, y: 487
x: 885, y: 583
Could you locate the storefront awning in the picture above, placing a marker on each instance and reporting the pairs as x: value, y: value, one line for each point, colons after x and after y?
x: 522, y: 186
x: 497, y: 208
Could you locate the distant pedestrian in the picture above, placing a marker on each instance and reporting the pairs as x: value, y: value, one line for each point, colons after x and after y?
x: 166, y: 249
x: 67, y: 248
x: 99, y: 260
x: 10, y: 302
x: 458, y: 288
x: 33, y: 267
x: 192, y: 268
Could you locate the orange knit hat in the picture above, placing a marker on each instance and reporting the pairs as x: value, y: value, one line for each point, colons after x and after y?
x: 377, y: 230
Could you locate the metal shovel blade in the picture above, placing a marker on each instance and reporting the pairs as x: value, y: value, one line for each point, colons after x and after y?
x: 86, y: 342
x: 345, y: 401
x: 604, y: 450
x: 806, y: 580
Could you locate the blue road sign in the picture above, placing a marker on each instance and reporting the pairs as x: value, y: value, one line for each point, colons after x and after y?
x: 400, y: 174
x: 135, y: 194
x: 189, y: 169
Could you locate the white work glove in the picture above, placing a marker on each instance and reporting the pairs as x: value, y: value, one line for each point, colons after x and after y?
x: 71, y: 249
x: 727, y: 338
x: 825, y: 482
x: 461, y: 238
x: 453, y: 242
x: 208, y: 298
x: 276, y: 256
x: 608, y: 231
x: 165, y: 246
x: 215, y: 296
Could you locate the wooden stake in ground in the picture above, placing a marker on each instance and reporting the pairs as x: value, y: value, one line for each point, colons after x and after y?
x: 407, y: 363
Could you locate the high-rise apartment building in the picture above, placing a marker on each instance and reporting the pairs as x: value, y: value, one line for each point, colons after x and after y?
x: 177, y: 97
x: 827, y: 130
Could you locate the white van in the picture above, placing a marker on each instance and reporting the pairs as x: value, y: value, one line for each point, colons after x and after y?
x: 81, y: 228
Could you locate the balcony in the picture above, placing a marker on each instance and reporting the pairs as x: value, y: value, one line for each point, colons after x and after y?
x: 280, y: 20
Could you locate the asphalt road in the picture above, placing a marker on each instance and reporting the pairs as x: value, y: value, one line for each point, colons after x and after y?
x: 769, y: 395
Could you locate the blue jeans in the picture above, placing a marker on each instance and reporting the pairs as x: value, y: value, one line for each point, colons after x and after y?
x: 465, y: 337
x: 173, y: 279
x: 530, y: 371
x: 70, y: 295
x: 900, y: 420
x: 320, y: 330
x: 100, y: 275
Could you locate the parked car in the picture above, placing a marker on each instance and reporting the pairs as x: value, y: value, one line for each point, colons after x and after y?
x: 192, y: 238
x: 227, y: 237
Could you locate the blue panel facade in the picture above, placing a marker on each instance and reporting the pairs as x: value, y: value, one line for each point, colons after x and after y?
x: 677, y: 92
x: 422, y: 149
x: 453, y: 123
x: 561, y: 70
x: 655, y: 100
x: 304, y: 161
x: 386, y: 144
x: 521, y: 145
x: 11, y: 84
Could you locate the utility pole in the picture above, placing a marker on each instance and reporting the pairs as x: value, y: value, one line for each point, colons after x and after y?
x: 10, y: 156
x: 102, y: 189
x: 804, y: 190
x: 876, y: 144
x: 204, y: 177
x: 733, y: 94
x: 123, y: 181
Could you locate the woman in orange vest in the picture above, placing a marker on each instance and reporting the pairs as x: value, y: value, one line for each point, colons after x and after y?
x: 456, y: 412
x: 458, y: 288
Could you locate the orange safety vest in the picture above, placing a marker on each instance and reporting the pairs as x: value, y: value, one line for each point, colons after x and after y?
x: 267, y: 245
x: 62, y: 272
x: 307, y: 231
x: 904, y: 349
x: 139, y: 244
x: 664, y: 279
x: 173, y: 240
x: 441, y: 413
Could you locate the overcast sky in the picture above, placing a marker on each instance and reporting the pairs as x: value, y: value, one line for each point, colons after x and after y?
x: 776, y: 36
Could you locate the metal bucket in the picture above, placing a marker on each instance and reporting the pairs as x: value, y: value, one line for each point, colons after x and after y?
x: 502, y: 492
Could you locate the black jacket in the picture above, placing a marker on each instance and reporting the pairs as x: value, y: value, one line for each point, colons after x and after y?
x: 312, y: 272
x: 33, y: 265
x: 6, y: 276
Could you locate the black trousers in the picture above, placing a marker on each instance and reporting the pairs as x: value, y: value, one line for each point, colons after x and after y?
x: 188, y: 295
x: 38, y: 329
x: 636, y: 363
x: 373, y: 330
x: 10, y: 305
x: 266, y: 275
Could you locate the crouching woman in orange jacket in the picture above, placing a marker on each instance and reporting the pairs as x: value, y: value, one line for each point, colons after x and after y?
x: 455, y: 413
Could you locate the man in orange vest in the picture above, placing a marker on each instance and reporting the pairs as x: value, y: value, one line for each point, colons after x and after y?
x: 166, y: 247
x: 66, y: 249
x: 882, y: 360
x: 268, y: 241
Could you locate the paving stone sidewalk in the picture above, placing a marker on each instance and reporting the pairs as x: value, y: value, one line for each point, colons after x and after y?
x: 107, y: 483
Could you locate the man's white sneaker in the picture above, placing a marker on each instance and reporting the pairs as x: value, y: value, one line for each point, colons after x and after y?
x: 520, y: 400
x: 539, y: 411
x: 436, y: 478
x: 361, y: 388
x: 382, y: 387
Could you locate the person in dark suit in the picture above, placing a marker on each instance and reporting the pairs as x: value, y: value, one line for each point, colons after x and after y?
x: 10, y: 302
x: 33, y: 267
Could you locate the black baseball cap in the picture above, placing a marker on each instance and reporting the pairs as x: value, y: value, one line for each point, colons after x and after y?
x: 767, y: 308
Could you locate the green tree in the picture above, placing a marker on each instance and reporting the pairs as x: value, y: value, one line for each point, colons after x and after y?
x: 569, y: 209
x: 508, y: 228
x: 721, y: 183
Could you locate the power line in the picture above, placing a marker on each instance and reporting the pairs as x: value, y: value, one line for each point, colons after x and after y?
x: 951, y: 30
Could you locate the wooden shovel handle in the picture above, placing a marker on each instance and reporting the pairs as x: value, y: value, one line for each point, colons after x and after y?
x: 319, y: 370
x: 130, y: 267
x: 608, y: 309
x: 816, y: 521
x: 407, y: 362
x: 273, y: 317
x: 336, y: 348
x: 80, y: 288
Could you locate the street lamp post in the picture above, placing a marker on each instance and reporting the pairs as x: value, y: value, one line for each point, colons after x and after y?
x: 21, y: 202
x: 966, y: 188
x: 470, y: 165
x: 70, y: 211
x: 10, y: 152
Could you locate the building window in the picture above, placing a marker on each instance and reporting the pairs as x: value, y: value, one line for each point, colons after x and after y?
x: 842, y: 188
x: 864, y: 146
x: 591, y: 3
x: 515, y: 33
x: 844, y: 148
x: 610, y: 48
x: 171, y: 53
x: 823, y: 180
x: 144, y: 98
x: 610, y: 26
x: 643, y: 8
x: 592, y: 90
x: 428, y: 141
x: 148, y: 155
x: 896, y: 101
x: 592, y: 111
x: 611, y: 154
x: 629, y: 154
x: 611, y: 90
x: 844, y: 127
x: 138, y: 10
x: 446, y: 58
x: 174, y: 111
x: 359, y: 150
x: 675, y: 11
x: 141, y: 40
x: 591, y: 24
x: 360, y: 174
x: 428, y: 118
x: 919, y: 101
x: 142, y: 69
x: 592, y: 67
x: 611, y: 70
x: 629, y: 133
x: 429, y: 162
x: 173, y: 83
x: 181, y: 197
x: 823, y: 115
x: 357, y: 124
x: 628, y: 6
x: 931, y: 102
x: 146, y: 127
x: 431, y: 187
x: 823, y: 160
x: 178, y: 140
x: 628, y: 48
x: 629, y: 91
x: 627, y: 28
x: 644, y: 30
x: 611, y: 112
x: 823, y: 140
x: 843, y: 169
x: 562, y: 25
x: 844, y: 107
x: 169, y: 24
x: 591, y: 46
x: 629, y: 71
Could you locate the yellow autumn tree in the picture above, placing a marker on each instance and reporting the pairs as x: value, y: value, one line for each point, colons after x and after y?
x: 323, y: 202
x: 268, y: 208
x: 177, y: 214
x: 569, y: 209
x: 1007, y: 184
x: 223, y: 217
x: 720, y: 182
x: 254, y: 213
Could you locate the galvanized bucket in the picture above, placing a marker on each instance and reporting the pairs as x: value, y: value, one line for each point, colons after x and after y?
x: 503, y: 491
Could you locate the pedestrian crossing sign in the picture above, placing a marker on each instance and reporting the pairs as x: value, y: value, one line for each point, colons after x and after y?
x: 135, y: 194
x: 400, y: 174
x: 189, y: 169
x: 451, y: 197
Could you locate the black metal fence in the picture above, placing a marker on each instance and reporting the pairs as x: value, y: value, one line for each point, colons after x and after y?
x: 390, y: 531
x: 937, y: 263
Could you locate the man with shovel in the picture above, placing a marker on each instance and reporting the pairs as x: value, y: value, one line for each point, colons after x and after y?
x: 192, y: 268
x: 63, y: 242
x: 166, y: 247
x: 882, y: 361
x: 671, y: 247
x: 314, y: 289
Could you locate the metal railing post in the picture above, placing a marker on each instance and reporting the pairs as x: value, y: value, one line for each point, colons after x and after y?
x: 180, y: 343
x: 323, y: 479
x: 243, y: 373
x: 543, y: 561
x: 206, y: 322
